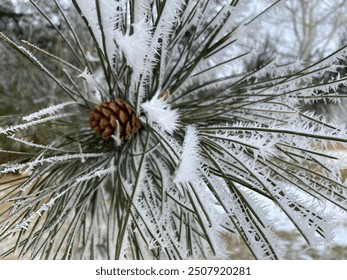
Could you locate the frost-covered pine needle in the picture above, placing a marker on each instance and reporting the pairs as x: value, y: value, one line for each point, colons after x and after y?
x: 189, y: 164
x: 14, y: 128
x: 52, y: 110
x: 158, y: 111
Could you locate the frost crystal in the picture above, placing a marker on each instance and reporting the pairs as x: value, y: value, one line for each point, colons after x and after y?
x: 158, y: 111
x: 47, y: 111
x: 108, y: 18
x: 189, y: 165
x: 135, y: 46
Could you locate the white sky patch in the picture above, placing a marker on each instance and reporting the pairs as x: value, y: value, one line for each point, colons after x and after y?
x: 189, y: 165
x: 158, y: 111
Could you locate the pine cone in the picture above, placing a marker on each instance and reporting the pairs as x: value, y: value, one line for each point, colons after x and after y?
x: 103, y: 119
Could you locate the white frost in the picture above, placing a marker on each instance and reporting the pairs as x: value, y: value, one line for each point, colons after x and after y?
x: 135, y: 47
x: 189, y: 166
x: 47, y: 111
x: 158, y: 111
x: 15, y: 128
x: 108, y: 17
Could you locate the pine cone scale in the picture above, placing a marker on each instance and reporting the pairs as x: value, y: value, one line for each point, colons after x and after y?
x: 119, y: 103
x: 103, y: 120
x: 114, y: 107
x: 127, y: 130
x: 104, y: 123
x: 123, y: 117
x: 113, y: 121
x: 127, y: 106
x: 107, y: 132
x: 106, y: 112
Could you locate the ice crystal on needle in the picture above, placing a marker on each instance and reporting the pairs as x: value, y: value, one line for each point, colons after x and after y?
x: 158, y: 111
x: 189, y: 165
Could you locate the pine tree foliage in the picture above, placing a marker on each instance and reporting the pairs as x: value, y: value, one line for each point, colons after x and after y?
x: 218, y: 143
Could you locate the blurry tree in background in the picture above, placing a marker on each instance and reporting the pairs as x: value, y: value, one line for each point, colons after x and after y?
x: 22, y: 86
x: 309, y: 30
x: 316, y: 28
x: 21, y: 21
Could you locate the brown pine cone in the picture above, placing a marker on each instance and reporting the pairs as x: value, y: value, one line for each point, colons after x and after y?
x: 103, y: 119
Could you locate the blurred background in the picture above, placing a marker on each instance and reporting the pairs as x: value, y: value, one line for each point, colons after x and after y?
x: 303, y: 30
